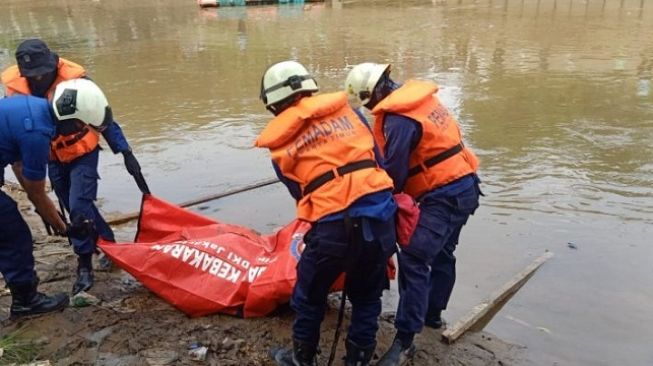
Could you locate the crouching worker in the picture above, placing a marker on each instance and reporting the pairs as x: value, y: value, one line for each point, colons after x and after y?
x: 425, y: 156
x: 75, y: 147
x: 27, y: 124
x: 326, y: 157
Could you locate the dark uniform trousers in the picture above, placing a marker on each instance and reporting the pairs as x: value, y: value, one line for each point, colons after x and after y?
x: 16, y: 258
x: 361, y: 247
x: 76, y: 184
x: 427, y: 266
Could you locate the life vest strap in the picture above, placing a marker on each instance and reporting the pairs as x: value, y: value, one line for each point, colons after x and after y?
x: 342, y: 170
x: 437, y: 159
x: 78, y: 136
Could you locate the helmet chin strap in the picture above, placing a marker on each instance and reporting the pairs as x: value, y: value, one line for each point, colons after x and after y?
x: 272, y: 109
x: 282, y: 105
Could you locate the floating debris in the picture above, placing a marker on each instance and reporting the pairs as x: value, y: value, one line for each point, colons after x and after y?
x: 543, y: 329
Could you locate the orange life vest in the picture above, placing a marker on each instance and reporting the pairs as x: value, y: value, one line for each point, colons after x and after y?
x: 64, y: 148
x: 322, y: 144
x: 440, y: 156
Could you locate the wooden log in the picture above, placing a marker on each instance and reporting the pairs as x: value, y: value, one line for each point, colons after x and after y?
x: 497, y: 298
x: 134, y: 215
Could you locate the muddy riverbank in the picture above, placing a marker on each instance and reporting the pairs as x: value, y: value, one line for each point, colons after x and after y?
x: 131, y: 326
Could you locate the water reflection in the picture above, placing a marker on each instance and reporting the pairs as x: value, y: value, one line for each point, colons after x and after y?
x: 554, y: 95
x: 546, y: 88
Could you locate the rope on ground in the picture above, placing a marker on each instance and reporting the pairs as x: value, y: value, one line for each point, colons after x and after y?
x: 134, y: 215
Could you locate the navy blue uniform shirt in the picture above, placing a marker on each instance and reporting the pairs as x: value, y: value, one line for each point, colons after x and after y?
x: 26, y: 128
x: 115, y: 138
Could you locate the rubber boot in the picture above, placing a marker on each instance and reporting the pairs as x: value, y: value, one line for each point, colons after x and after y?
x: 85, y: 276
x: 434, y: 320
x: 357, y: 355
x: 27, y: 301
x: 302, y: 354
x: 398, y: 354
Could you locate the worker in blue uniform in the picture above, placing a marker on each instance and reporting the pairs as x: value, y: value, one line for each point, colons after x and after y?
x: 325, y: 156
x: 27, y: 125
x: 426, y: 158
x: 73, y: 169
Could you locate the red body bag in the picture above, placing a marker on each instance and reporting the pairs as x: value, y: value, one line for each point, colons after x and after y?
x: 202, y: 266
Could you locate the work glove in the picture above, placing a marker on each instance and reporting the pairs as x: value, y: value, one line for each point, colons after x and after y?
x: 132, y: 165
x: 134, y: 168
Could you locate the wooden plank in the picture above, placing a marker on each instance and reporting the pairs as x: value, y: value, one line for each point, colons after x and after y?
x: 134, y: 215
x: 496, y: 298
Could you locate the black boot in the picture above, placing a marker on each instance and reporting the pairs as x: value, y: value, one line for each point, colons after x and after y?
x: 398, y: 354
x: 434, y: 319
x: 26, y: 300
x: 302, y: 354
x: 85, y: 276
x: 357, y: 355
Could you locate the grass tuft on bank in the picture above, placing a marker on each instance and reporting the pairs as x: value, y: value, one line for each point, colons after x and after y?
x: 16, y: 350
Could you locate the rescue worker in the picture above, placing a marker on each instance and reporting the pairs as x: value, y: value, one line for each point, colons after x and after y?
x: 27, y: 124
x: 425, y: 156
x: 325, y: 155
x: 75, y: 148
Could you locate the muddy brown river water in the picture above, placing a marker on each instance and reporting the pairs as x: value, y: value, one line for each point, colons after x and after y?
x: 555, y: 96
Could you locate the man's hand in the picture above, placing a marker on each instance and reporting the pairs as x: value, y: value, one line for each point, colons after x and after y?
x: 48, y: 227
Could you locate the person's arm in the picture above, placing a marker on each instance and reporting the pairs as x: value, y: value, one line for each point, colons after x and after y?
x: 401, y: 135
x: 31, y: 171
x: 115, y: 138
x: 118, y: 144
x: 117, y: 141
x: 113, y: 134
x: 293, y: 187
x: 35, y: 190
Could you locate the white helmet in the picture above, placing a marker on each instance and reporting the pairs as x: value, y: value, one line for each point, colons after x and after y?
x: 362, y: 79
x: 81, y: 99
x: 284, y: 79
